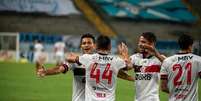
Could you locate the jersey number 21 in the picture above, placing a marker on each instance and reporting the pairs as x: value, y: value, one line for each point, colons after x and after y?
x: 188, y: 69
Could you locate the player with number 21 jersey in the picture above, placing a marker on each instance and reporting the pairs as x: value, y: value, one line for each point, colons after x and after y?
x: 182, y: 72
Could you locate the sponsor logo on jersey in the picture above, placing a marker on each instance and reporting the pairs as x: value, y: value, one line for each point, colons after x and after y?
x: 143, y: 76
x: 98, y: 88
x: 181, y: 93
x: 105, y: 58
x: 100, y: 95
x: 185, y: 58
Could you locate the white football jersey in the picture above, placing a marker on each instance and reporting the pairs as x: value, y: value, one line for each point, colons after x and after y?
x: 101, y: 74
x: 78, y: 83
x: 181, y: 71
x: 38, y: 48
x: 60, y: 47
x: 147, y: 76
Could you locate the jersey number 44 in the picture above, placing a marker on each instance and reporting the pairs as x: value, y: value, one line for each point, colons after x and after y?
x: 95, y: 73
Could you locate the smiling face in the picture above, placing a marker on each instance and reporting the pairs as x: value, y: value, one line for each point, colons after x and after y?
x: 87, y: 45
x: 141, y: 42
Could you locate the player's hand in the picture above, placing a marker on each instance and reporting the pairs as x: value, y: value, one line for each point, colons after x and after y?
x: 71, y: 57
x: 123, y: 50
x: 42, y: 58
x: 153, y: 51
x: 40, y: 70
x: 149, y: 48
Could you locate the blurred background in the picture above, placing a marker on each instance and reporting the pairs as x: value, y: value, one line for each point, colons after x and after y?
x: 25, y: 22
x: 49, y: 21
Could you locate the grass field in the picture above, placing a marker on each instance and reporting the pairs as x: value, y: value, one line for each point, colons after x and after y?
x: 18, y: 82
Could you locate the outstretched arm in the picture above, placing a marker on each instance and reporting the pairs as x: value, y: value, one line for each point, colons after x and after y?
x: 41, y: 71
x: 125, y: 76
x: 73, y: 58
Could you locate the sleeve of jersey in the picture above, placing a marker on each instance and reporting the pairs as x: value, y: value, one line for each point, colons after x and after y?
x: 84, y: 59
x: 132, y: 59
x: 120, y: 63
x: 164, y: 70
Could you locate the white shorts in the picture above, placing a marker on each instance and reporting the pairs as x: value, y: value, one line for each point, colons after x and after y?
x: 59, y: 57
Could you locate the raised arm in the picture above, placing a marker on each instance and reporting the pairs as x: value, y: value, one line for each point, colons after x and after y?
x: 123, y: 53
x: 154, y: 51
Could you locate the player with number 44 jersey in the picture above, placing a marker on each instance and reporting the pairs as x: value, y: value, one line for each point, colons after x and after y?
x: 101, y: 71
x: 180, y: 73
x: 101, y: 74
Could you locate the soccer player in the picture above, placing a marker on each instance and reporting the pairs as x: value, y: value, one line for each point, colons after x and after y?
x: 38, y: 49
x: 146, y: 63
x: 59, y: 50
x: 180, y: 72
x: 101, y: 71
x: 87, y: 44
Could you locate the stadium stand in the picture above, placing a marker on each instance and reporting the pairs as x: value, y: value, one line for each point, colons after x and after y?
x: 170, y: 10
x: 124, y: 18
x: 48, y: 39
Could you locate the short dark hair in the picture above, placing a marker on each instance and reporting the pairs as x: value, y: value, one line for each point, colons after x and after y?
x: 87, y: 35
x: 103, y: 42
x: 150, y: 36
x: 185, y: 41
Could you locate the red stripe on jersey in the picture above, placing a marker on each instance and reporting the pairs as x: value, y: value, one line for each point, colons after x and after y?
x: 152, y: 68
x: 164, y: 76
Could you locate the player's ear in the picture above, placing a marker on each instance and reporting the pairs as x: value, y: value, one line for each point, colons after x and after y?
x: 190, y: 48
x: 94, y: 46
x: 110, y: 46
x: 152, y: 43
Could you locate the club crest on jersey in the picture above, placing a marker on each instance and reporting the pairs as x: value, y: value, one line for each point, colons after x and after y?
x: 137, y: 68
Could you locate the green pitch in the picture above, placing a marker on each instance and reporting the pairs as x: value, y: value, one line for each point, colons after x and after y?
x: 18, y: 82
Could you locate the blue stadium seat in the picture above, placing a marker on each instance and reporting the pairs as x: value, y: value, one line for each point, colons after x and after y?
x: 171, y: 10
